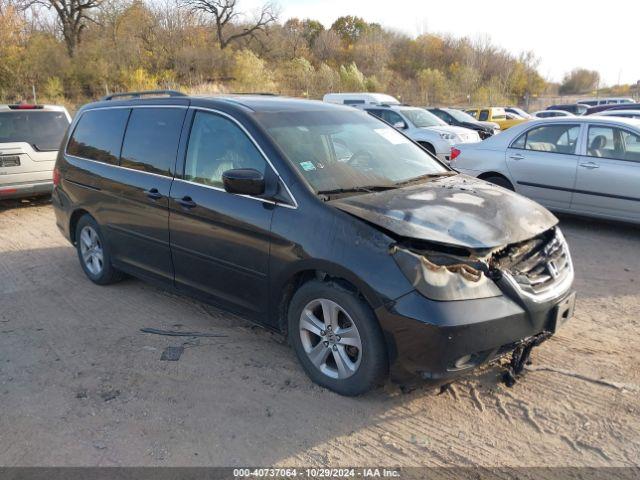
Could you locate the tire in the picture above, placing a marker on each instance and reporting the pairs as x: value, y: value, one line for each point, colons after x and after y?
x: 428, y: 147
x: 93, y: 252
x: 347, y: 369
x: 500, y: 181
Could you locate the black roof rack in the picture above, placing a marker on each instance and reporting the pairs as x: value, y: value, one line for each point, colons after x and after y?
x: 147, y: 93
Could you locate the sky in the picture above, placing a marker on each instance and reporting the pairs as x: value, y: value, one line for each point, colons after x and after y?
x: 564, y: 34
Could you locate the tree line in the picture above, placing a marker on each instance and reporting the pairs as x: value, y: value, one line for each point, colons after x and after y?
x: 71, y: 51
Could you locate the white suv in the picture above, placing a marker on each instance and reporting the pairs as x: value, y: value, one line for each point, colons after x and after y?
x: 425, y: 128
x: 30, y: 136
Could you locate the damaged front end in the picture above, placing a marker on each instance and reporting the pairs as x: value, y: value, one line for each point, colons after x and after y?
x: 538, y: 269
x: 534, y: 276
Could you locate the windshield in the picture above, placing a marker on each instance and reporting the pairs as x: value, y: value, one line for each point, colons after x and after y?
x: 42, y: 130
x: 346, y: 150
x: 461, y: 116
x: 421, y: 118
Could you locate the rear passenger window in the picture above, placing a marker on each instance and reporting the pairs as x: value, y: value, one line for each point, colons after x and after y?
x: 98, y: 135
x: 216, y: 145
x: 151, y: 141
x: 484, y: 115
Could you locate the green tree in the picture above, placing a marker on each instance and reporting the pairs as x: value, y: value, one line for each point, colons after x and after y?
x: 349, y: 28
x: 54, y: 90
x: 351, y: 79
x: 298, y: 75
x: 250, y: 73
x: 579, y: 80
x: 433, y: 85
x: 326, y: 80
x: 312, y: 28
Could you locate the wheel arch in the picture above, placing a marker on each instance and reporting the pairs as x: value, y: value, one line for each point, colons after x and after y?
x: 294, y: 278
x: 493, y: 173
x: 73, y: 222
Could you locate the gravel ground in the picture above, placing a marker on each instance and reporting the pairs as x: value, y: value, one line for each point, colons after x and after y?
x: 80, y: 385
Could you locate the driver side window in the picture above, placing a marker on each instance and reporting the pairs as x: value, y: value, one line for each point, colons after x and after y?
x: 216, y: 145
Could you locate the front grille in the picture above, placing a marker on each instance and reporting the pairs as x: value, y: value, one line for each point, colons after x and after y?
x: 9, y: 161
x: 540, y: 264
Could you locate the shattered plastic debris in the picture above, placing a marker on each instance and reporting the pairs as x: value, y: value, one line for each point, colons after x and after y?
x: 520, y: 357
x: 172, y: 354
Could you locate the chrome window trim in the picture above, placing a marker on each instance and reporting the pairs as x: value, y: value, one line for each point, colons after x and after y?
x: 211, y: 187
x: 174, y: 177
x: 170, y: 177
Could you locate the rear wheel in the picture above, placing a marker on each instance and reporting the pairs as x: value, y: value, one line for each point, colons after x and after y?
x: 500, y: 181
x: 93, y: 252
x: 337, y: 338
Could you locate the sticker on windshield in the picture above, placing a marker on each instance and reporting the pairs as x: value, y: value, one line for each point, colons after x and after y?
x: 307, y: 166
x: 391, y: 136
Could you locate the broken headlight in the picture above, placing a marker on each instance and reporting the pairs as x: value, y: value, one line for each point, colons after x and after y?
x: 444, y: 280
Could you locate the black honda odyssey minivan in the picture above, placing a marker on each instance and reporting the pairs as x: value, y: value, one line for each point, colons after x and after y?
x: 315, y: 220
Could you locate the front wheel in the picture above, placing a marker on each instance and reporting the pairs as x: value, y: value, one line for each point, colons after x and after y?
x: 500, y: 181
x: 337, y: 338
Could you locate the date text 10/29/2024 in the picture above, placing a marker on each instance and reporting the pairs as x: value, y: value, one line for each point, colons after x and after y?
x: 316, y: 473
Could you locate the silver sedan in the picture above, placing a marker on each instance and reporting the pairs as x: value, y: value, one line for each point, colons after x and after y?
x: 583, y: 165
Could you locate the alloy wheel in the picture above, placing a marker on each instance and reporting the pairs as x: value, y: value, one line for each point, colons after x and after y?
x: 330, y: 339
x: 91, y: 250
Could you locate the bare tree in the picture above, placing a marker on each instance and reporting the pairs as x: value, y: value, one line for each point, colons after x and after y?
x: 73, y: 16
x: 225, y: 14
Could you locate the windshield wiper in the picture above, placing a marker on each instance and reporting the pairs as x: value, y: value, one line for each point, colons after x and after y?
x: 426, y: 176
x: 355, y: 189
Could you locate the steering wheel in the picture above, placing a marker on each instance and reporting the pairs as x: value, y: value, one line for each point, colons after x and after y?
x: 361, y: 157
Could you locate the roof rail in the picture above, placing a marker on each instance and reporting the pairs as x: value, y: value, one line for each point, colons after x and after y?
x: 266, y: 94
x: 147, y: 93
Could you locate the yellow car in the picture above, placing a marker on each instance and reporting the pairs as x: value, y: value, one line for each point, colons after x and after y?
x: 496, y: 115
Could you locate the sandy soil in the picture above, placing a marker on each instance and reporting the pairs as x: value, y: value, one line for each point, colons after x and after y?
x: 81, y: 385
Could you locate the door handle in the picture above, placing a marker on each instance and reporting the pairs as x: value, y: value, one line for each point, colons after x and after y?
x: 590, y: 165
x: 153, y: 194
x: 187, y: 202
x: 516, y: 156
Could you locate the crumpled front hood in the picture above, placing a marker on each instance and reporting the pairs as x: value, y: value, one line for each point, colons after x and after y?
x: 458, y: 210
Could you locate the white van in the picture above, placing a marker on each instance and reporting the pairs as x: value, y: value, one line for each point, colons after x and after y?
x: 592, y: 102
x: 361, y: 99
x: 30, y: 136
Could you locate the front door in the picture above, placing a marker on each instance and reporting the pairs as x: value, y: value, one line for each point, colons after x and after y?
x: 220, y: 241
x: 543, y: 162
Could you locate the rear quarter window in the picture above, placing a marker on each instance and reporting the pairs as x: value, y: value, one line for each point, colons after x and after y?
x: 98, y: 135
x: 151, y: 141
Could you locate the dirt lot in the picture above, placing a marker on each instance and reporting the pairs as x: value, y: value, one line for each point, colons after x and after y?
x: 81, y: 385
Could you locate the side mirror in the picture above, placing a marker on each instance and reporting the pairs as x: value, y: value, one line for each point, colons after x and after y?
x: 400, y: 125
x: 243, y: 181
